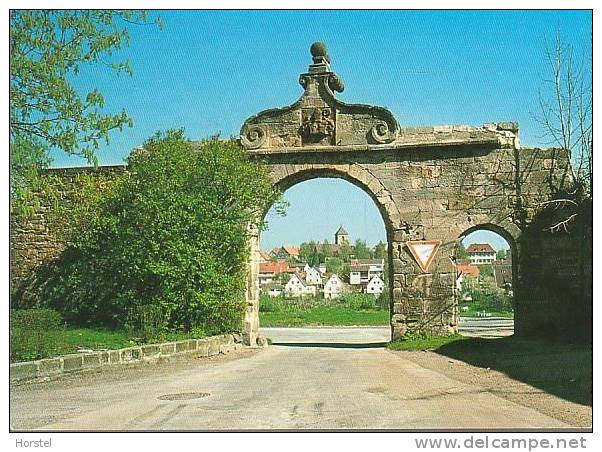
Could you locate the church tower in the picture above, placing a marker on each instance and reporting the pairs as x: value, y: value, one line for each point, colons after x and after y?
x: 341, y: 236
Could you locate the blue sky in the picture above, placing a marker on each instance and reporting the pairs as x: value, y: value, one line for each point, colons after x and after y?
x: 207, y: 71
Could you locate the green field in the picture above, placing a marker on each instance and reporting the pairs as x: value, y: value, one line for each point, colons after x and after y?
x: 325, y: 316
x: 351, y: 309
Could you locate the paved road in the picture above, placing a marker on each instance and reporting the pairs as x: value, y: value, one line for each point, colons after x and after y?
x: 321, y: 378
x: 486, y: 327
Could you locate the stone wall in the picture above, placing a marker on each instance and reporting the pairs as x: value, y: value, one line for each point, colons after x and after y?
x: 152, y: 353
x: 32, y: 242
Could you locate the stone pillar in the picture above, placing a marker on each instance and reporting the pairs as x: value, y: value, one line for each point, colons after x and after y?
x: 422, y: 301
x: 251, y: 319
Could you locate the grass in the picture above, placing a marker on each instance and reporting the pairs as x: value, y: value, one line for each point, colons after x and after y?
x: 325, y: 316
x: 424, y: 343
x: 71, y: 340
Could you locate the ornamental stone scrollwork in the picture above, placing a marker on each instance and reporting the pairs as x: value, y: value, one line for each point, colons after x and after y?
x: 381, y: 133
x: 318, y: 120
x: 253, y: 138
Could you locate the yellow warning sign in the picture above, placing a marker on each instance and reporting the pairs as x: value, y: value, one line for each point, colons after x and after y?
x: 423, y: 251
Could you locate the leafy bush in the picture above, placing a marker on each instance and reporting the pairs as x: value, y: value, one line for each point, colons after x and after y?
x: 166, y: 247
x: 271, y: 304
x: 34, y: 333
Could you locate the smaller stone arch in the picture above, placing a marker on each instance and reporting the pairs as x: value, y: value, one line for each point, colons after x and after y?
x: 511, y: 234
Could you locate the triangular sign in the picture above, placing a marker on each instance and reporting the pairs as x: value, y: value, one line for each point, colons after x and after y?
x: 423, y: 251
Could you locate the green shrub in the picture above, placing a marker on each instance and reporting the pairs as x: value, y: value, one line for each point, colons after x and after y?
x: 165, y: 248
x: 34, y: 333
x: 271, y: 304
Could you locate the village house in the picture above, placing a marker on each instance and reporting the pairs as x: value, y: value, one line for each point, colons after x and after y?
x: 361, y: 271
x: 285, y: 253
x: 465, y: 273
x: 270, y: 271
x: 334, y: 287
x: 375, y: 286
x: 502, y: 270
x: 273, y: 290
x: 264, y: 257
x: 297, y: 287
x: 312, y: 276
x: 481, y: 253
x: 322, y: 268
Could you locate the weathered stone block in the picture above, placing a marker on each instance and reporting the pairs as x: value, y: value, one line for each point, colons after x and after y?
x: 72, y: 362
x: 50, y: 366
x: 114, y: 356
x: 91, y: 360
x: 213, y: 346
x: 23, y: 371
x: 202, y: 348
x: 181, y: 346
x: 149, y: 351
x: 168, y: 349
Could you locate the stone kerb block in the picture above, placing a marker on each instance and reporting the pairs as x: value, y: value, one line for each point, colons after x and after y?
x: 167, y: 348
x: 151, y: 351
x: 51, y: 366
x: 91, y: 360
x: 22, y: 371
x: 214, y: 346
x: 202, y: 348
x: 73, y: 362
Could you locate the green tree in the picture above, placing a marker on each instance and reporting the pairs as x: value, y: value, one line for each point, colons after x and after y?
x: 380, y: 251
x: 306, y: 250
x: 166, y: 248
x: 361, y: 250
x: 48, y: 48
x: 500, y: 255
x: 334, y: 265
x: 486, y: 271
x: 345, y: 252
x: 461, y: 252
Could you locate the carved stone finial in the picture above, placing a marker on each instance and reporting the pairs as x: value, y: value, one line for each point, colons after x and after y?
x: 319, y: 52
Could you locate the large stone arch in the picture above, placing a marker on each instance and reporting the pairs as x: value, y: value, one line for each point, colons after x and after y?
x: 429, y: 183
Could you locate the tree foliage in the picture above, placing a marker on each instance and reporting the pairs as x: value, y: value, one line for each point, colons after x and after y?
x: 48, y: 48
x: 461, y: 252
x: 361, y: 250
x: 165, y: 248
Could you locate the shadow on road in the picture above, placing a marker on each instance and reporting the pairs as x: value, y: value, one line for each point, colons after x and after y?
x: 564, y: 370
x: 332, y: 344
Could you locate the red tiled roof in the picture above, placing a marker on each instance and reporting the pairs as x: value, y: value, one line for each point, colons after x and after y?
x: 291, y: 250
x: 274, y: 267
x: 468, y: 269
x: 480, y: 248
x: 265, y: 255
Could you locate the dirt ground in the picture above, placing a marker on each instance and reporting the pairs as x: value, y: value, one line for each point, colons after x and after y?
x: 500, y: 384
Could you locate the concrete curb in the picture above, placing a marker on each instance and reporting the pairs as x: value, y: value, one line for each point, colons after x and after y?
x: 150, y: 353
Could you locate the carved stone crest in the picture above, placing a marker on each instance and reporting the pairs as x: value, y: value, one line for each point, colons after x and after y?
x: 318, y: 119
x: 317, y: 125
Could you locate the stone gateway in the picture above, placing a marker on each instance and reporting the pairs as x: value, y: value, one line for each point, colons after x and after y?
x: 429, y: 183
